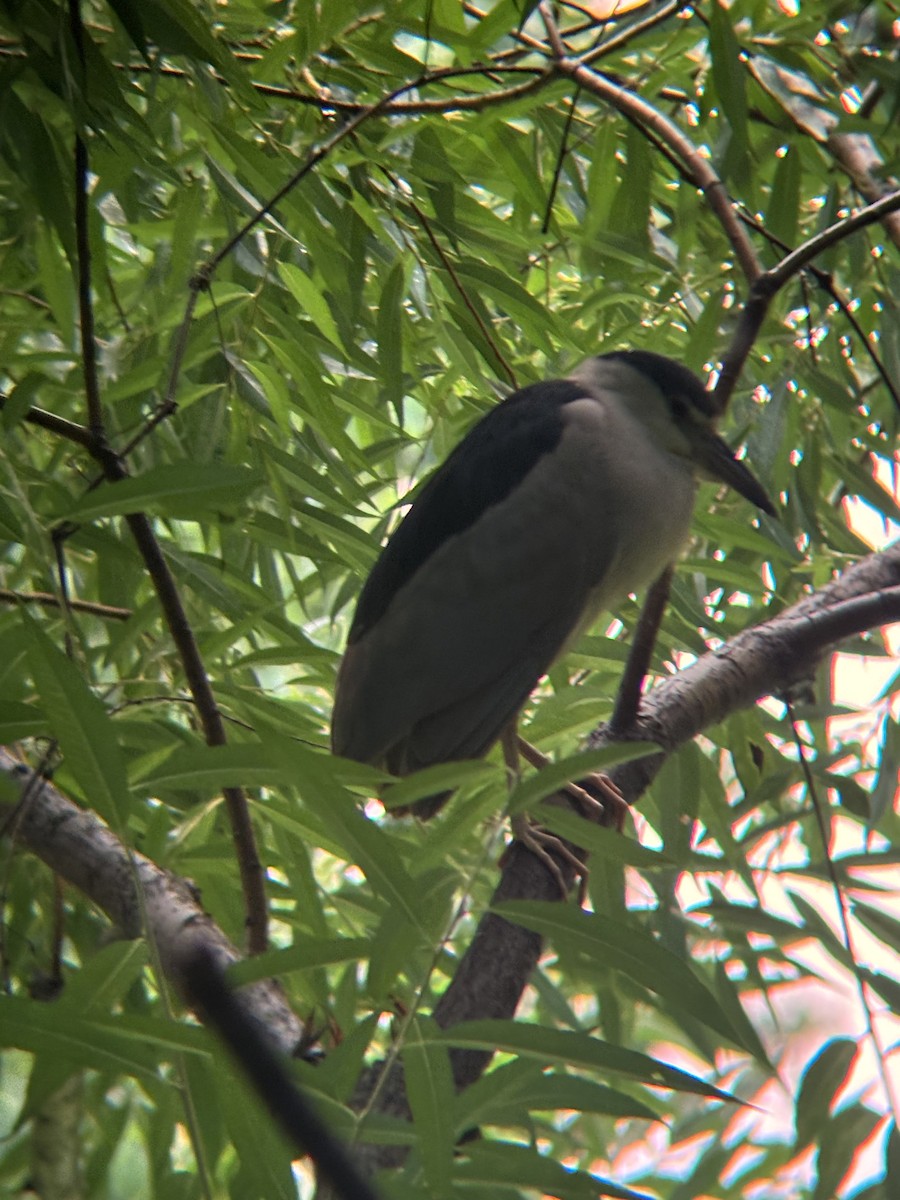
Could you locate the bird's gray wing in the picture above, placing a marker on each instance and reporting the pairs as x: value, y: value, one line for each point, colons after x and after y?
x: 465, y: 638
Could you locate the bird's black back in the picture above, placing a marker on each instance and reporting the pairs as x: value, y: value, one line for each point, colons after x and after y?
x: 482, y: 470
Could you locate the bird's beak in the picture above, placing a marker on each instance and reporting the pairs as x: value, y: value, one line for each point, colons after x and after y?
x: 714, y: 457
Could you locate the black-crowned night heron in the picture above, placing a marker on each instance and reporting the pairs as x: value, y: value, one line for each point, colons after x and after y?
x: 563, y: 499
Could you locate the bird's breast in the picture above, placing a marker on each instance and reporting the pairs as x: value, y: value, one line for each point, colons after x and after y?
x: 630, y: 501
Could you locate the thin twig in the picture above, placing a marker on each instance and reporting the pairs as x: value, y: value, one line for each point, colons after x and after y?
x: 768, y: 283
x: 8, y: 596
x: 72, y: 432
x: 619, y: 40
x: 640, y: 655
x: 843, y: 908
x: 252, y: 876
x: 562, y: 151
x: 83, y: 250
x: 825, y: 281
x: 114, y: 470
x: 453, y: 273
x: 791, y: 264
x: 322, y: 99
x: 313, y: 159
x: 204, y: 275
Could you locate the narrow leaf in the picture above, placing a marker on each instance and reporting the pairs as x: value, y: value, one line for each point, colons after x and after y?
x: 628, y: 949
x: 566, y: 1048
x: 186, y: 490
x: 79, y: 721
x: 429, y: 1086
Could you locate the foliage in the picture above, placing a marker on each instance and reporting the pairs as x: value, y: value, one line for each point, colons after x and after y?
x: 482, y: 228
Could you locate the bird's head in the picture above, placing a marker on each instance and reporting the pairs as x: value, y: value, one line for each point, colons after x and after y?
x: 676, y: 410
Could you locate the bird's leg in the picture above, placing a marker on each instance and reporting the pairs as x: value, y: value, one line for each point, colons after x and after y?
x: 613, y: 805
x: 544, y: 845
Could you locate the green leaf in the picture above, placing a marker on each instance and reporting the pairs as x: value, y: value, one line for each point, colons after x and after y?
x: 501, y: 1096
x: 607, y: 844
x: 505, y: 1167
x: 508, y: 294
x: 821, y: 1081
x: 34, y: 152
x: 847, y: 1134
x: 432, y: 781
x: 19, y: 721
x: 123, y: 1046
x: 885, y: 790
x: 362, y: 840
x: 626, y: 948
x: 265, y: 1157
x: 210, y: 768
x: 390, y: 334
x: 129, y: 13
x: 429, y: 1087
x: 783, y: 212
x: 91, y: 992
x: 556, y: 775
x: 187, y: 490
x: 629, y: 217
x: 728, y: 74
x: 310, y: 952
x: 311, y: 300
x: 80, y: 723
x: 564, y: 1048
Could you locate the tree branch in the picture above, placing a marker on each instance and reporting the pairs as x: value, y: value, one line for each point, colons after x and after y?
x: 70, y: 430
x: 48, y: 600
x: 645, y: 115
x: 775, y: 278
x: 138, y: 897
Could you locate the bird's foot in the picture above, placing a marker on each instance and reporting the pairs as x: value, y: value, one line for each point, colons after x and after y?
x: 551, y: 850
x: 609, y: 807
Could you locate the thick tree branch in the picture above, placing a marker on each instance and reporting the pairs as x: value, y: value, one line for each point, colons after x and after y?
x: 138, y: 897
x: 763, y: 660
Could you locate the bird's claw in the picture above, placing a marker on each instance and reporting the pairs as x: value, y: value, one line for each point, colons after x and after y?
x: 609, y: 808
x: 550, y: 849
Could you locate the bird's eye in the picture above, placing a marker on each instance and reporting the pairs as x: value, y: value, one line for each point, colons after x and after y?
x: 679, y: 407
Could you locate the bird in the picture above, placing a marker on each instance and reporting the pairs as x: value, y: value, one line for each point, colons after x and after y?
x: 563, y: 499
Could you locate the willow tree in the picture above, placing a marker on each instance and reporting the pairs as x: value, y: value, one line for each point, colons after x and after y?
x: 261, y: 268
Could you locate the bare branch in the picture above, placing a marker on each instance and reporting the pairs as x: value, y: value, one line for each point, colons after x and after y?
x: 8, y: 596
x: 770, y: 281
x: 83, y: 251
x: 251, y: 870
x: 138, y: 897
x: 454, y: 275
x: 70, y: 430
x: 628, y: 698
